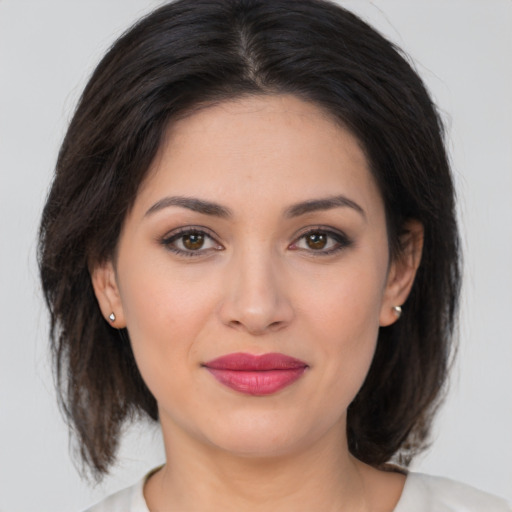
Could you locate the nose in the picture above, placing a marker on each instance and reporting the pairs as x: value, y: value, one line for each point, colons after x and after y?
x: 255, y: 296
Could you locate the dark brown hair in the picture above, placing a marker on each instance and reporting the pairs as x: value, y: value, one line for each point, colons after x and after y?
x: 195, y: 52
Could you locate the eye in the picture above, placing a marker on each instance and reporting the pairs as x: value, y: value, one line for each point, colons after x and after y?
x: 321, y: 241
x: 190, y: 242
x: 316, y: 241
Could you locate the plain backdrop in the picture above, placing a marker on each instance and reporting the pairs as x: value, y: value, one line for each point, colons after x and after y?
x: 461, y: 48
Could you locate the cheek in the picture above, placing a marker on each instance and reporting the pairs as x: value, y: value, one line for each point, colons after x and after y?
x: 164, y: 315
x: 159, y: 298
x: 343, y: 317
x: 346, y: 303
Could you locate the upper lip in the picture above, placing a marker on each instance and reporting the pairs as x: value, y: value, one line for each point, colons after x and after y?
x: 241, y: 361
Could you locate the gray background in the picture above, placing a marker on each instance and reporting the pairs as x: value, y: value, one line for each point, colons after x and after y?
x: 462, y: 49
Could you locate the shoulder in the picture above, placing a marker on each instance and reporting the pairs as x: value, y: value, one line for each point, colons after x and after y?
x: 130, y: 499
x: 425, y: 493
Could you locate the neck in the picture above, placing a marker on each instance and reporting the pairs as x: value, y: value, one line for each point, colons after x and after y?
x: 198, y: 476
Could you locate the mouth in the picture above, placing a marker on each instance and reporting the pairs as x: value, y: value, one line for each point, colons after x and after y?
x: 257, y: 375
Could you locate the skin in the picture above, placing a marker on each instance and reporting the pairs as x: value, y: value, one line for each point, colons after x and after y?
x: 258, y: 285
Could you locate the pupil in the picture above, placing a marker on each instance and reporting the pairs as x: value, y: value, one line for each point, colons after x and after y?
x: 193, y: 241
x: 316, y: 241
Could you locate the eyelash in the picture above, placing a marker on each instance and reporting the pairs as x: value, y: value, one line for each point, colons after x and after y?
x: 169, y: 240
x: 340, y: 239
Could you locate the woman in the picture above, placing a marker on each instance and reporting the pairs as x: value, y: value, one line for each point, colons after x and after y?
x: 251, y: 239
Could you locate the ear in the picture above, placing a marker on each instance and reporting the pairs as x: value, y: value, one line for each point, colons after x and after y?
x: 104, y: 282
x: 402, y: 272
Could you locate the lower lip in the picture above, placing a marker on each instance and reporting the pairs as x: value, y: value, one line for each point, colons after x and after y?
x: 259, y: 383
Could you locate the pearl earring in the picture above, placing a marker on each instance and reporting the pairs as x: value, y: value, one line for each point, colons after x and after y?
x: 397, y: 310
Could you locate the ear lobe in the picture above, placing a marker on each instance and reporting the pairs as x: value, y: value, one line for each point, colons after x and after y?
x: 402, y: 271
x: 104, y: 282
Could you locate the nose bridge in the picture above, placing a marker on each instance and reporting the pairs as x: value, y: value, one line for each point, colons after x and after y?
x: 255, y: 298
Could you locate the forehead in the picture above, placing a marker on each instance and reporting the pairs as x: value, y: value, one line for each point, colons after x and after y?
x: 270, y: 148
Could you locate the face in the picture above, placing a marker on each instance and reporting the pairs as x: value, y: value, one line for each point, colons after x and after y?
x: 259, y: 230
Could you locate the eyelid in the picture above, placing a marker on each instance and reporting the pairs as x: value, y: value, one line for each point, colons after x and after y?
x: 177, y: 233
x: 343, y: 241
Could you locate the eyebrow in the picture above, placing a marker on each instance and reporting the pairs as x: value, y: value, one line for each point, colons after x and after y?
x: 216, y: 210
x: 327, y: 203
x: 191, y: 203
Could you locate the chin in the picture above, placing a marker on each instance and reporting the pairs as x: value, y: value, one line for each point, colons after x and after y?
x: 264, y: 436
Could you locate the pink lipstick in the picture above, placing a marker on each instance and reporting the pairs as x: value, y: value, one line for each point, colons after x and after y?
x: 256, y: 374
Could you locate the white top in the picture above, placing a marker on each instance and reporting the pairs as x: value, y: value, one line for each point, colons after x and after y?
x: 421, y: 493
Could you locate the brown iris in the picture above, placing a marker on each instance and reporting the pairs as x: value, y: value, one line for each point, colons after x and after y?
x: 193, y: 241
x: 316, y: 240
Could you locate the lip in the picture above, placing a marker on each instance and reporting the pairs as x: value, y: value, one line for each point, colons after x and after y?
x: 256, y: 374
